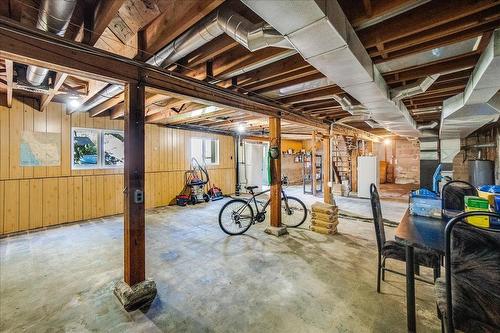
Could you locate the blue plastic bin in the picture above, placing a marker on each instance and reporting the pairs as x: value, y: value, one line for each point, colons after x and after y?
x: 423, y: 193
x: 425, y: 206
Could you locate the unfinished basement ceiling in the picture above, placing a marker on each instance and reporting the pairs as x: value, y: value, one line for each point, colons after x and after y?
x: 417, y: 45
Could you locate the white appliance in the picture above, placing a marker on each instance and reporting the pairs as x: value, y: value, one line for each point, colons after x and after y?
x: 368, y: 173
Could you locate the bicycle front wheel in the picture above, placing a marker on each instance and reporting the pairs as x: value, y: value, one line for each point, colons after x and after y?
x: 235, y: 217
x: 293, y: 212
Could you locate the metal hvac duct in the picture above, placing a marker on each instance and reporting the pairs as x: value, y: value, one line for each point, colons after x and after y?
x: 479, y: 104
x: 252, y: 36
x: 354, y: 119
x: 429, y: 125
x: 54, y: 16
x: 347, y: 106
x: 413, y: 89
x: 322, y: 34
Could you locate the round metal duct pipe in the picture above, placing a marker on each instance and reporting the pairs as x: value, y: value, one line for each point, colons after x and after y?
x: 54, y: 16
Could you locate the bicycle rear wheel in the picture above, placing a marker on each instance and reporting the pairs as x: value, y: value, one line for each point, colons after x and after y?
x: 236, y: 217
x: 293, y: 215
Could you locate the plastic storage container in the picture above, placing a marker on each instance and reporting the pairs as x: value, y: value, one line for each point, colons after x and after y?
x: 489, y: 192
x: 423, y: 193
x: 477, y: 204
x: 425, y: 206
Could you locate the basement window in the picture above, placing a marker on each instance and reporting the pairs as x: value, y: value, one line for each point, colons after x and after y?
x: 97, y: 148
x: 205, y: 150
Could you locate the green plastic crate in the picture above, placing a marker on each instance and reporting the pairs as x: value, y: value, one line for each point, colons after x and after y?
x: 476, y: 202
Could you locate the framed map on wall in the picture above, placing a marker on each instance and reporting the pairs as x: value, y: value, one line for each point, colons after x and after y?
x: 40, y: 149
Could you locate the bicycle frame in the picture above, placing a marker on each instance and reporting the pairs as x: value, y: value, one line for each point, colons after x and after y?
x: 254, y: 196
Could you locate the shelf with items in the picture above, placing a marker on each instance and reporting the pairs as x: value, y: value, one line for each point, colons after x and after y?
x: 308, y: 174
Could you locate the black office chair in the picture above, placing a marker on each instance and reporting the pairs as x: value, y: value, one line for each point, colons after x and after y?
x: 393, y: 250
x: 453, y: 197
x: 468, y: 299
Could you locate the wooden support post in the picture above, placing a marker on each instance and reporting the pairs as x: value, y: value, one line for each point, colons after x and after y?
x: 354, y: 170
x: 313, y: 163
x: 9, y: 72
x: 134, y: 184
x: 327, y: 162
x: 275, y: 140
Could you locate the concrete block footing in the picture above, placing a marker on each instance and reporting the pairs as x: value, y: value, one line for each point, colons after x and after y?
x: 276, y: 231
x: 140, y: 294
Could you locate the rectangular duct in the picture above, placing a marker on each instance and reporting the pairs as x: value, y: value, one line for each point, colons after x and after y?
x: 322, y: 34
x: 479, y: 104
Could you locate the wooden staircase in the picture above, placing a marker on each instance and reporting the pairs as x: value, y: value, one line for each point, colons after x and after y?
x: 341, y: 157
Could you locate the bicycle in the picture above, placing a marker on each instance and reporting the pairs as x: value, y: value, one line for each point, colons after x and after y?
x: 237, y: 215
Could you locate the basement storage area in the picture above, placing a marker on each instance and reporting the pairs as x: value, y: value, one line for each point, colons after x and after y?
x: 249, y: 166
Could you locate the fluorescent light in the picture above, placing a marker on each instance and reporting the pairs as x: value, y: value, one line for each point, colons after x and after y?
x: 241, y: 128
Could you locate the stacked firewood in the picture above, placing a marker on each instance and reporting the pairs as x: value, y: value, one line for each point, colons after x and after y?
x: 325, y: 218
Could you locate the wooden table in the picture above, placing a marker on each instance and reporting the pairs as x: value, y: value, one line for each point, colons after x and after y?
x: 421, y: 232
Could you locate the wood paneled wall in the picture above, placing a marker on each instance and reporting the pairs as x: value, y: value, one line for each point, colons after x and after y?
x: 36, y: 197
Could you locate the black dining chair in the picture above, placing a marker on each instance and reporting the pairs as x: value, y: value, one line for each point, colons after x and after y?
x: 389, y: 249
x: 468, y: 299
x: 453, y: 195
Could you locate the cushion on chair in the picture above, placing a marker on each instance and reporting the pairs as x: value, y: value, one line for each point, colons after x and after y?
x: 475, y: 278
x: 395, y: 250
x: 469, y: 326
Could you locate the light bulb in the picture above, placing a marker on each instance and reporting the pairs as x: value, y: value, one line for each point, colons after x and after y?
x: 73, y: 103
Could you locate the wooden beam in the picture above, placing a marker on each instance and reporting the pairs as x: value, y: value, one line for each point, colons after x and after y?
x: 313, y: 162
x: 118, y: 111
x: 35, y: 47
x: 281, y: 79
x: 58, y: 82
x: 167, y: 115
x: 436, y: 34
x: 327, y: 162
x: 448, y: 65
x: 171, y: 103
x: 170, y: 25
x: 368, y: 7
x: 9, y: 71
x: 379, y: 11
x: 108, y: 104
x: 275, y: 141
x: 440, y: 42
x: 106, y: 10
x: 290, y: 83
x: 420, y: 19
x: 237, y: 58
x: 12, y: 9
x: 133, y: 173
x: 211, y: 50
x: 278, y: 68
x: 354, y: 168
x: 311, y: 95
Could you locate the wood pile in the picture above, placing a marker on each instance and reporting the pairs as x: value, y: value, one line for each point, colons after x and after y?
x: 325, y: 218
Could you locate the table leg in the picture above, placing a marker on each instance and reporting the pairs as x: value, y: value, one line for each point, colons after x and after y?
x: 410, y: 290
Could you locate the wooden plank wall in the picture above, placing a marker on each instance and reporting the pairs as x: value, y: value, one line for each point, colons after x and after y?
x: 36, y: 197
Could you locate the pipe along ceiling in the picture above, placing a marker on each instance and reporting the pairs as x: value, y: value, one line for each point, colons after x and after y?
x: 54, y: 17
x: 322, y: 34
x: 252, y: 36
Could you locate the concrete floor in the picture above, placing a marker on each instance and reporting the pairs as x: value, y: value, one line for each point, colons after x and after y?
x: 62, y: 279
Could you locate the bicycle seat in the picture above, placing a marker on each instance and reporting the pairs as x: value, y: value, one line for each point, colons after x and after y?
x: 250, y: 187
